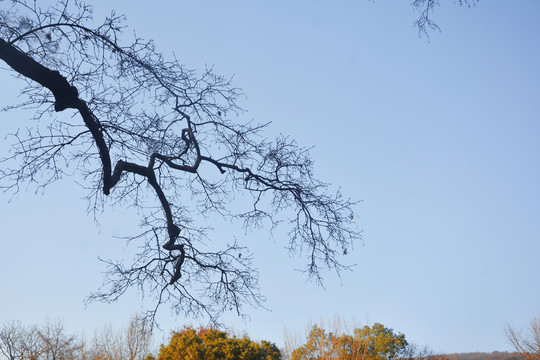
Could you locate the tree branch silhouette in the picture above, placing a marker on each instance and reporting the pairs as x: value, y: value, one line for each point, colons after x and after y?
x: 167, y: 130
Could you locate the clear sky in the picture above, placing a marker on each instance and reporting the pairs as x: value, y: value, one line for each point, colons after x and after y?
x: 439, y: 139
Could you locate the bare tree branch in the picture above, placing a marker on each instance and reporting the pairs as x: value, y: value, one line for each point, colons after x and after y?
x: 425, y: 22
x: 166, y: 129
x: 528, y: 344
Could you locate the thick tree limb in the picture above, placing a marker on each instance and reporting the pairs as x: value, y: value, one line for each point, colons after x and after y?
x: 67, y: 96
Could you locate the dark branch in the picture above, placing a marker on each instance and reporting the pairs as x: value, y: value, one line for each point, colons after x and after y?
x: 162, y: 124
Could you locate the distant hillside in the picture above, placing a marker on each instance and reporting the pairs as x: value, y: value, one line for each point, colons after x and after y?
x: 496, y: 355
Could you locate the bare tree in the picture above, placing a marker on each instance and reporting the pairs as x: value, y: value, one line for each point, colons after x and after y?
x: 131, y: 343
x: 528, y: 344
x: 56, y: 344
x: 138, y: 338
x: 33, y: 344
x: 12, y: 340
x: 153, y: 135
x: 19, y: 342
x: 51, y: 342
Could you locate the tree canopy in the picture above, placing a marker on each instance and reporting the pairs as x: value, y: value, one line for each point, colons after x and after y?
x: 375, y: 342
x: 213, y: 344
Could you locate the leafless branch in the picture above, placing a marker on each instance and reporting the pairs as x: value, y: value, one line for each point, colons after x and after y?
x: 149, y: 124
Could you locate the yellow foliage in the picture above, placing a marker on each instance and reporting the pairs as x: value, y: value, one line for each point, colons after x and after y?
x: 367, y: 343
x: 212, y: 344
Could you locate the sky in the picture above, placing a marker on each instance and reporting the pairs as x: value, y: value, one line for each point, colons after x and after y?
x: 438, y: 138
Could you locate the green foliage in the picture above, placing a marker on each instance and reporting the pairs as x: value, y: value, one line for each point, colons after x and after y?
x: 382, y: 342
x: 368, y: 343
x: 212, y: 344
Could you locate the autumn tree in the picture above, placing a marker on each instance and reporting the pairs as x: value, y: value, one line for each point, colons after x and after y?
x: 322, y: 345
x: 526, y: 343
x: 375, y: 342
x: 213, y: 344
x: 143, y: 130
x: 382, y: 342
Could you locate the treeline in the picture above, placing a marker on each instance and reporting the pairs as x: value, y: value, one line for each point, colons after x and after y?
x: 52, y: 342
x: 496, y: 355
x: 375, y: 342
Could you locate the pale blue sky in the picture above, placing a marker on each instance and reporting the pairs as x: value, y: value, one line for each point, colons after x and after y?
x: 439, y: 139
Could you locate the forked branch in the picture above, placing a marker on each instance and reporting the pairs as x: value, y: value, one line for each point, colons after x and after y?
x: 161, y: 124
